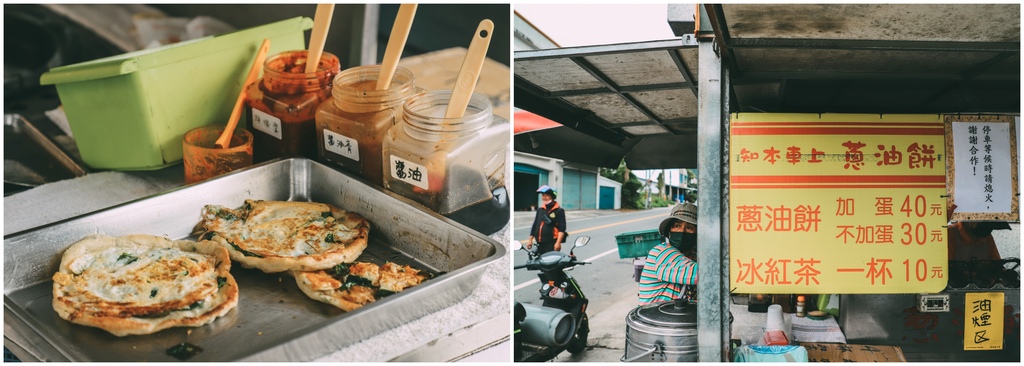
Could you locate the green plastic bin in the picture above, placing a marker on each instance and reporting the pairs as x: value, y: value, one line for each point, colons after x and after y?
x: 637, y: 243
x: 129, y: 112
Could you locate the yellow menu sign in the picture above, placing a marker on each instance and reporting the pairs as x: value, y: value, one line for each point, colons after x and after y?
x: 837, y: 203
x: 983, y: 321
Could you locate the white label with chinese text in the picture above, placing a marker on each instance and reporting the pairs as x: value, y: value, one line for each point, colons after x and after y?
x: 341, y: 145
x: 409, y: 172
x: 268, y: 124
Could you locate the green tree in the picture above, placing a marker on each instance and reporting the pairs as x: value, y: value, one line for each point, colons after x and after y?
x: 691, y: 179
x: 631, y: 197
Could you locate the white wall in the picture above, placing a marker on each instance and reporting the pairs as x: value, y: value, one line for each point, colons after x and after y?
x: 1008, y: 241
x: 553, y: 166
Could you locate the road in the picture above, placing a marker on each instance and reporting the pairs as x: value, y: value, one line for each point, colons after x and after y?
x: 608, y: 282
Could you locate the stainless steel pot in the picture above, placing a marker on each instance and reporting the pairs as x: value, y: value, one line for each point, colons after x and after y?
x: 662, y: 332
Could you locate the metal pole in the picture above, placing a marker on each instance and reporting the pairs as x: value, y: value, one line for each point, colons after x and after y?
x: 709, y: 202
x: 726, y: 296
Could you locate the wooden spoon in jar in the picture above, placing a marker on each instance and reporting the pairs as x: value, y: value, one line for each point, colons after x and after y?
x: 470, y: 71
x: 225, y: 137
x: 321, y: 23
x: 396, y: 43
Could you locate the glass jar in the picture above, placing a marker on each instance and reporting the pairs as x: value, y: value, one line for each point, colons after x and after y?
x: 454, y: 166
x: 280, y: 107
x: 351, y: 126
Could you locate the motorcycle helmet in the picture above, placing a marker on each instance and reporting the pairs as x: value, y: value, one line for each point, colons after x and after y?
x: 548, y: 190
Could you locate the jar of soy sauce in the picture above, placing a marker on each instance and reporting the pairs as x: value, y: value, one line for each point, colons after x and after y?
x: 454, y: 166
x: 350, y: 127
x: 280, y: 107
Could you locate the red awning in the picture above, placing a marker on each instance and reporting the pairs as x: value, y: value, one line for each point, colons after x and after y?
x: 524, y: 121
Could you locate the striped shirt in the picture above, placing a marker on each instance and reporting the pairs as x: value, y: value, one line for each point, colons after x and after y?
x: 665, y: 274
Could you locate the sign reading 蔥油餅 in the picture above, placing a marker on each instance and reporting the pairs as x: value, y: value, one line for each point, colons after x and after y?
x: 837, y: 203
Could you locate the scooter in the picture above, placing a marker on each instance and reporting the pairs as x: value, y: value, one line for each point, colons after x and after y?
x: 560, y: 323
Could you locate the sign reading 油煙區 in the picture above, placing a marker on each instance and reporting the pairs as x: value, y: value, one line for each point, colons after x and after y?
x: 837, y: 203
x: 983, y: 321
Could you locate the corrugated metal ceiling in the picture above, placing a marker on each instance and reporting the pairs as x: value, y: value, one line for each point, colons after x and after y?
x: 840, y: 58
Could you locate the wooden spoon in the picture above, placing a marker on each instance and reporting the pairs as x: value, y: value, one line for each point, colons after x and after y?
x: 321, y: 23
x: 470, y: 71
x: 225, y: 137
x: 399, y: 34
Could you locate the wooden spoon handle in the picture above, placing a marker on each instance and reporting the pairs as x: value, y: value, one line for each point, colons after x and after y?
x: 225, y: 137
x: 396, y: 43
x: 321, y: 23
x: 470, y: 71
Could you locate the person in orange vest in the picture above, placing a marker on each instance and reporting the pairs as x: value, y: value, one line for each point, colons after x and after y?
x: 549, y: 226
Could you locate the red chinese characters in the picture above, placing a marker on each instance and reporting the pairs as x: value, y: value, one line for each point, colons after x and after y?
x: 756, y: 218
x: 921, y: 155
x: 918, y: 155
x: 854, y: 157
x: 890, y: 157
x: 777, y: 271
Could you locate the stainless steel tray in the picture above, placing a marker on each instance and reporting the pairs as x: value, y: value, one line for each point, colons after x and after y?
x: 274, y: 321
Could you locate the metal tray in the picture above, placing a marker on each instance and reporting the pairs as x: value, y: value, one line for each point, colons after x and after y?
x: 274, y: 321
x: 31, y: 159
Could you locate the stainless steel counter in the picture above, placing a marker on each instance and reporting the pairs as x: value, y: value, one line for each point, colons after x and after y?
x: 480, y: 321
x: 477, y: 322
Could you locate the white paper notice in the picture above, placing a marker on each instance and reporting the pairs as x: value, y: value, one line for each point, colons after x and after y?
x: 982, y: 167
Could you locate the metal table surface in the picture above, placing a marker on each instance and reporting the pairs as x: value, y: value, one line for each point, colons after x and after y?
x: 479, y: 321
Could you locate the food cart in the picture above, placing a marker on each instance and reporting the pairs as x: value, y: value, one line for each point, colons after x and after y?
x: 753, y: 92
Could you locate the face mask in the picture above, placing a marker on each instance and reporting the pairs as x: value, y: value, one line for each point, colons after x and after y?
x: 685, y: 242
x: 545, y: 202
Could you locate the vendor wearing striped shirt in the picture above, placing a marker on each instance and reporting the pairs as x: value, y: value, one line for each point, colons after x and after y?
x: 670, y: 272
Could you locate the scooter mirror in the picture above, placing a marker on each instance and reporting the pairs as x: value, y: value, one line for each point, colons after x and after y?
x: 581, y: 241
x: 516, y: 245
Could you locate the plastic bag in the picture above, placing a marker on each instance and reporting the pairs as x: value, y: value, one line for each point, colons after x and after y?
x: 754, y: 353
x: 155, y: 31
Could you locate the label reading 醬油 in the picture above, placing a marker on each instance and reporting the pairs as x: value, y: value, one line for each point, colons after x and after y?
x: 409, y: 172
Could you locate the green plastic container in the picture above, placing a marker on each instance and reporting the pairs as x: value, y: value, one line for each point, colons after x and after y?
x: 637, y: 243
x: 129, y: 112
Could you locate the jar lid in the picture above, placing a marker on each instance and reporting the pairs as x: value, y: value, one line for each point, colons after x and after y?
x: 679, y: 313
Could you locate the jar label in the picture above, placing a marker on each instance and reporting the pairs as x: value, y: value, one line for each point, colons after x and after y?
x: 409, y: 172
x: 341, y: 145
x: 268, y: 124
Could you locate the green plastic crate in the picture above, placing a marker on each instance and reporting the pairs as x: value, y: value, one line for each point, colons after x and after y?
x: 129, y: 112
x: 637, y: 243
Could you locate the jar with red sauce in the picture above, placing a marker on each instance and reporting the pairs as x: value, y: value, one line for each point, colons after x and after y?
x: 280, y: 108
